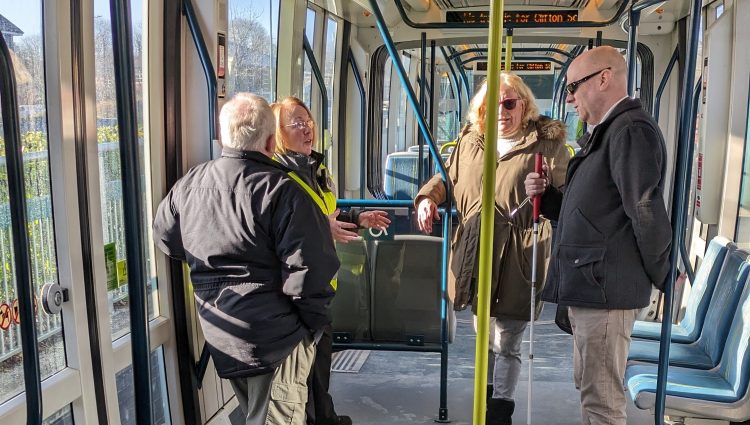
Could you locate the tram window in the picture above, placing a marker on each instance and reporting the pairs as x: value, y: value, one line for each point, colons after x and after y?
x: 251, y: 48
x: 447, y: 119
x: 110, y: 180
x: 159, y: 400
x: 27, y: 53
x: 329, y: 74
x: 63, y: 416
x: 742, y: 232
x: 307, y: 68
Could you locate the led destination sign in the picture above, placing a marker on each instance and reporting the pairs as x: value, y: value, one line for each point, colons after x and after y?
x: 540, y: 17
x: 520, y: 66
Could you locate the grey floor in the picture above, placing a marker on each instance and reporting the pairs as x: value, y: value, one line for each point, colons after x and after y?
x: 401, y: 388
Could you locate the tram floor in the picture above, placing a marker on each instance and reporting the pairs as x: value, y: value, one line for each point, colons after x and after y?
x: 403, y: 387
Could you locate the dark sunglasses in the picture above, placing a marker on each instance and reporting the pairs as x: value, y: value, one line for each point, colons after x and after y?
x: 573, y: 87
x: 509, y: 104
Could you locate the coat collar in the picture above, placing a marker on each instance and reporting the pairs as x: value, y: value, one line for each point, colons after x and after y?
x: 590, y: 140
x: 251, y: 156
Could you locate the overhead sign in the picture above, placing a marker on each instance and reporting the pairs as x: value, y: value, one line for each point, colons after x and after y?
x: 540, y: 66
x: 539, y: 17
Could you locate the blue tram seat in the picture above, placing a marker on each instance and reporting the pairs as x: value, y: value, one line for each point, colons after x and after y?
x: 406, y: 298
x: 705, y: 352
x: 401, y: 170
x: 720, y: 393
x: 350, y: 307
x: 689, y: 328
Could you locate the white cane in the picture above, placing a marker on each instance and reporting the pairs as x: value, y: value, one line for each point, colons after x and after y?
x: 537, y: 201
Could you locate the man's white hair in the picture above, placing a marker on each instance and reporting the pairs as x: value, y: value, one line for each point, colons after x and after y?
x: 246, y: 122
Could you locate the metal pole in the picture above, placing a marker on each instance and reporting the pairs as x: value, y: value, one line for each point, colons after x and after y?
x: 362, y: 119
x: 635, y: 17
x: 508, y: 48
x: 433, y: 63
x: 663, y: 84
x: 422, y: 103
x: 678, y: 205
x: 127, y: 119
x: 17, y: 201
x: 321, y: 86
x: 487, y: 214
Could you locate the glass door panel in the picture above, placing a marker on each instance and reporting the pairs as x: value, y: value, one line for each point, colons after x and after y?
x: 22, y: 30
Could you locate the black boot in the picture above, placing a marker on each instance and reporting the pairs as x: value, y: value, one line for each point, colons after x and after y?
x: 499, y: 411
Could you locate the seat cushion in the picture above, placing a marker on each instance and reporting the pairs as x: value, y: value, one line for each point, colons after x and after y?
x: 689, y: 355
x: 652, y: 331
x: 682, y: 382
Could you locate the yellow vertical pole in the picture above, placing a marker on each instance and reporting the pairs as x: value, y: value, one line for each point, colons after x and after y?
x: 508, y: 48
x: 488, y: 213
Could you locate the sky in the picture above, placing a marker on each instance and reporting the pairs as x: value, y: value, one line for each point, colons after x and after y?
x: 27, y: 14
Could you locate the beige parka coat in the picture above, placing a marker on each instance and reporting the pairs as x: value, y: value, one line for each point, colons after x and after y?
x: 513, y: 236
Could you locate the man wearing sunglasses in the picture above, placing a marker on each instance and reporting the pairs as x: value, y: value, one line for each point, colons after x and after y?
x: 613, y: 236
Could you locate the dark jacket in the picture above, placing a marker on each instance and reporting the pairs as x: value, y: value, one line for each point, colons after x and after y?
x: 513, y: 236
x: 613, y: 235
x: 311, y: 171
x: 260, y: 254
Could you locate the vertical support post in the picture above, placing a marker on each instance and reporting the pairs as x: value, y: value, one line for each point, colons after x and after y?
x: 487, y: 214
x: 508, y: 48
x: 635, y: 17
x: 422, y: 102
x: 430, y: 166
x: 127, y: 119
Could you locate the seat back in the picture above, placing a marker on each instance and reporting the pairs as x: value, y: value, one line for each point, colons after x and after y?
x: 723, y: 303
x: 401, y: 180
x: 406, y: 299
x: 703, y: 287
x: 735, y: 362
x: 350, y: 307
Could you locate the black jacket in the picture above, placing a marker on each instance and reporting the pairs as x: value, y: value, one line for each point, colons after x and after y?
x: 261, y: 258
x: 613, y: 236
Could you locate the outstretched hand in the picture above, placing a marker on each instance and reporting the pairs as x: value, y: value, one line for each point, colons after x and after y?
x: 374, y: 219
x: 340, y: 229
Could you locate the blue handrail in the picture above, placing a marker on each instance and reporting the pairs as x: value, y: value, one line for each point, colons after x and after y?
x: 679, y: 201
x: 17, y: 204
x: 455, y: 86
x: 388, y: 41
x: 208, y: 69
x: 321, y: 85
x: 663, y: 83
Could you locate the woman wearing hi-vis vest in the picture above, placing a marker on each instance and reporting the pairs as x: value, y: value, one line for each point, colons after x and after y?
x: 295, y: 139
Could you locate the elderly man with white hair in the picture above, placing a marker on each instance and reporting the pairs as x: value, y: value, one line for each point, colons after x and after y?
x: 261, y: 258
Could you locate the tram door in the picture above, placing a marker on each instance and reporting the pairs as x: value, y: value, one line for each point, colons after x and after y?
x: 62, y: 56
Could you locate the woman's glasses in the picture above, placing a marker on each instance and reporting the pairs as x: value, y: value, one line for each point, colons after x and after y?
x: 299, y: 125
x: 508, y: 104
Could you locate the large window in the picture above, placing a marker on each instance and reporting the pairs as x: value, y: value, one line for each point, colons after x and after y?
x: 742, y: 232
x: 251, y: 47
x: 22, y: 31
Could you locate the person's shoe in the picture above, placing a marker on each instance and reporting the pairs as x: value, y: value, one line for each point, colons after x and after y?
x: 500, y: 412
x: 343, y: 420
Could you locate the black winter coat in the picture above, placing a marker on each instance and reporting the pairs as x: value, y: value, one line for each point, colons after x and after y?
x: 613, y: 235
x: 261, y: 258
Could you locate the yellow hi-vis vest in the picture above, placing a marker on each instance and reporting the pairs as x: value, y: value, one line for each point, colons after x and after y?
x: 326, y: 203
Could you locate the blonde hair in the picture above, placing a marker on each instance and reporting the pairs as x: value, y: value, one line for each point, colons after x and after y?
x: 280, y: 107
x: 245, y: 122
x: 478, y: 106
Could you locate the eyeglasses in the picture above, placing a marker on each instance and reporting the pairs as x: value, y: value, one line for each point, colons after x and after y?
x: 573, y: 87
x: 508, y: 104
x: 299, y: 125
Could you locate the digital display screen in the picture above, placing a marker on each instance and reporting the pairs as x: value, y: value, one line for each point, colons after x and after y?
x: 540, y: 17
x: 519, y: 66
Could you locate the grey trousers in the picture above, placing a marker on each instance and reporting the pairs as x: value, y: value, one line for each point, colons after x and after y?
x: 278, y: 397
x: 506, y: 336
x: 601, y: 341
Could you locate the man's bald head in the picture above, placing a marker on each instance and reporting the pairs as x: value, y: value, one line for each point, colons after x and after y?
x: 598, y: 80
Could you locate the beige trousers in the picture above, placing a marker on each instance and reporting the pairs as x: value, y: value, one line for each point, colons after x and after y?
x: 279, y: 397
x: 600, y: 353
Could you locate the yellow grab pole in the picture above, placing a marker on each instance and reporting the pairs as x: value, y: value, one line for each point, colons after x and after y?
x: 508, y: 48
x: 488, y: 213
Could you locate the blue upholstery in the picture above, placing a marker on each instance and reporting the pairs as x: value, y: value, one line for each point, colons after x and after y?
x: 726, y: 383
x: 705, y: 353
x: 401, y: 170
x: 689, y: 328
